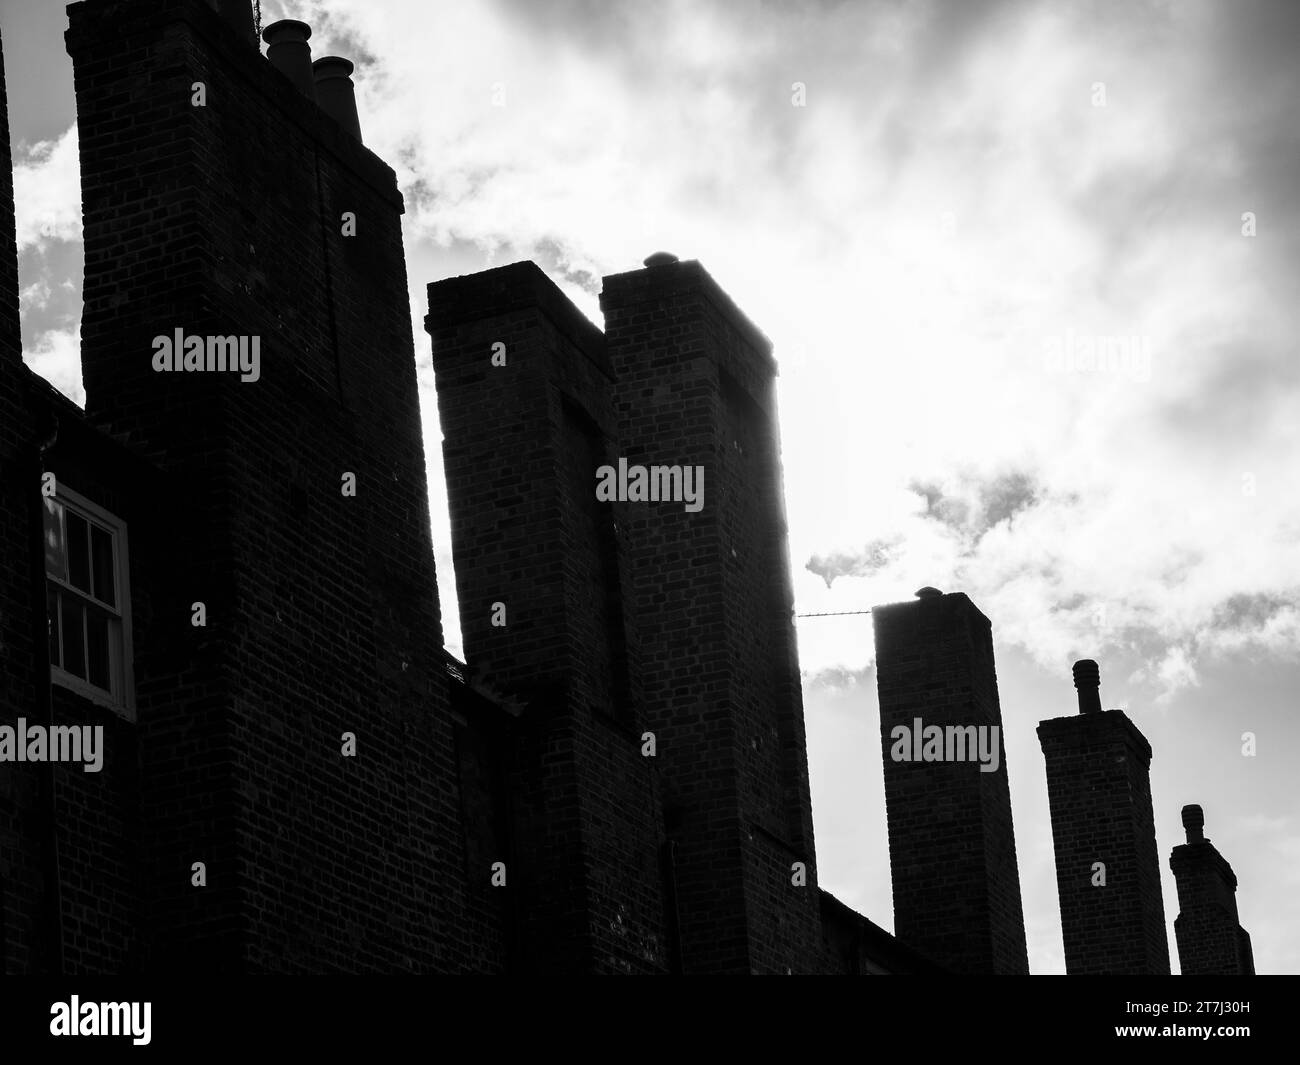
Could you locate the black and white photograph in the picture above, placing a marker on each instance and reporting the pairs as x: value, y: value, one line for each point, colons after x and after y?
x: 555, y: 488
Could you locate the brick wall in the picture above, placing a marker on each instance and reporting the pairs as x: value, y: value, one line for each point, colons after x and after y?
x: 322, y: 609
x: 522, y: 442
x: 712, y: 604
x: 952, y: 848
x: 1099, y: 792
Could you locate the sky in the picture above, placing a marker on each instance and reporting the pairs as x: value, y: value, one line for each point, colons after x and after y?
x: 1030, y: 271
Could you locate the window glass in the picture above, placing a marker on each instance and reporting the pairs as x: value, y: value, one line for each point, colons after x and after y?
x: 52, y: 607
x: 74, y: 648
x: 78, y: 551
x: 55, y: 550
x: 97, y: 646
x: 101, y: 555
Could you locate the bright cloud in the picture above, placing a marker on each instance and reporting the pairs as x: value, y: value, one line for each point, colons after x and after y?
x: 47, y: 192
x: 975, y: 278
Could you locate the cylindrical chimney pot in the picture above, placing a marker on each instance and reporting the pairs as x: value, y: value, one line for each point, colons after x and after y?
x: 239, y: 13
x: 1087, y: 679
x: 1194, y: 823
x: 335, y: 92
x: 290, y: 54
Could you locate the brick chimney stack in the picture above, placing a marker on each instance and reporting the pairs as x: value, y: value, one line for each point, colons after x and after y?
x: 694, y: 384
x: 1107, y: 865
x: 952, y: 848
x: 1210, y: 941
x: 249, y: 195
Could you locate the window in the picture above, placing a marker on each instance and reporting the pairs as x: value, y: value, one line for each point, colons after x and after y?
x: 86, y: 596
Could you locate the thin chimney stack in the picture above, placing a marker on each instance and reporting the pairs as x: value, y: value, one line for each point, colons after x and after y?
x: 1210, y: 941
x: 1103, y: 831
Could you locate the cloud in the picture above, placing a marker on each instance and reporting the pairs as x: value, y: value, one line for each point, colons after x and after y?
x: 872, y: 558
x: 56, y: 356
x: 47, y: 192
x: 1027, y: 351
x: 34, y: 297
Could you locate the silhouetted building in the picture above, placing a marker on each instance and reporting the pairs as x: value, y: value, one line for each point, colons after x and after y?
x: 1210, y: 941
x: 225, y: 563
x: 1103, y: 830
x: 952, y: 848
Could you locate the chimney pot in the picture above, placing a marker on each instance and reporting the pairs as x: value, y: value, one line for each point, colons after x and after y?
x: 335, y: 92
x: 290, y: 54
x: 1087, y: 679
x: 1194, y: 823
x: 660, y: 258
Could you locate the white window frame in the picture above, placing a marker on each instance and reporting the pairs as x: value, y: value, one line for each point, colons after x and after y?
x: 121, y: 700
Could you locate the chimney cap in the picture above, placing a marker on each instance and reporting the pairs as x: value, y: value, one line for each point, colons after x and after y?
x: 1194, y: 823
x: 1087, y: 674
x: 332, y: 66
x: 928, y: 593
x: 660, y: 258
x: 286, y: 29
x: 1087, y: 679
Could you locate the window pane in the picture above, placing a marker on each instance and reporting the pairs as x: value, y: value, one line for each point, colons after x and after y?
x: 55, y: 550
x: 78, y: 551
x: 101, y: 552
x: 52, y: 614
x: 74, y: 620
x: 97, y: 644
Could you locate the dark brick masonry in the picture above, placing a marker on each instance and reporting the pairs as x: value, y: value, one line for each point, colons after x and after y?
x: 322, y: 613
x: 1099, y: 789
x: 952, y: 847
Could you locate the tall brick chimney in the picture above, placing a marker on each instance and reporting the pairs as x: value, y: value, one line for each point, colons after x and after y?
x: 321, y: 603
x: 525, y: 392
x: 952, y: 848
x: 1210, y: 941
x: 1107, y: 866
x: 694, y: 385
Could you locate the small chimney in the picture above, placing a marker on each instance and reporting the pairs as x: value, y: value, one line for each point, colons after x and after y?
x: 1211, y: 942
x: 335, y: 92
x: 1194, y: 823
x: 239, y: 13
x: 1087, y: 678
x: 290, y: 54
